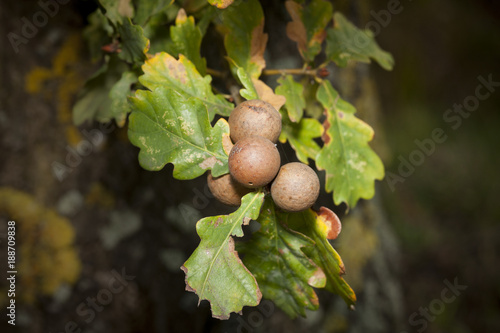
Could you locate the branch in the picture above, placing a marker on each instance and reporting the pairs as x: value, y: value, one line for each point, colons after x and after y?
x: 319, y: 72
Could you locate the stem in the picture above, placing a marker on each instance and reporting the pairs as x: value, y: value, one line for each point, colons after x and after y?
x: 292, y: 71
x: 215, y: 72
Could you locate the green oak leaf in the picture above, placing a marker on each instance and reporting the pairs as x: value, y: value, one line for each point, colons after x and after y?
x: 313, y: 107
x: 301, y: 136
x: 116, y: 10
x: 308, y: 25
x: 186, y: 38
x: 248, y: 92
x: 181, y: 75
x: 245, y: 40
x: 220, y: 3
x: 148, y: 8
x: 351, y: 165
x: 169, y: 128
x: 93, y: 101
x: 214, y: 271
x: 118, y: 94
x: 134, y: 44
x: 322, y: 253
x: 97, y: 33
x: 294, y: 93
x: 284, y: 273
x: 346, y: 42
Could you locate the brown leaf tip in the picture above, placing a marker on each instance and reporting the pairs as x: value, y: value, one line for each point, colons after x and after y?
x: 188, y: 287
x: 331, y: 221
x: 325, y: 137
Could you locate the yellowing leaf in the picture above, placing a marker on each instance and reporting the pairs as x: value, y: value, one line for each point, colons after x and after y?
x: 351, y: 165
x: 214, y: 271
x: 322, y: 253
x: 163, y: 70
x: 168, y: 128
x: 346, y: 42
x: 308, y: 24
x: 245, y: 40
x: 301, y: 136
x: 220, y: 3
x: 284, y: 273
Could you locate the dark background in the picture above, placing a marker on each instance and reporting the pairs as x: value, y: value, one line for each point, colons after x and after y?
x: 439, y: 224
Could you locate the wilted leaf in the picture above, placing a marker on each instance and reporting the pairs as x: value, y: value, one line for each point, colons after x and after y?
x: 323, y: 254
x: 186, y: 38
x: 256, y: 89
x: 301, y: 136
x: 118, y: 94
x: 133, y: 43
x: 168, y: 128
x: 351, y: 165
x: 294, y: 94
x: 149, y: 8
x: 308, y: 24
x: 214, y: 271
x: 163, y: 70
x: 220, y: 3
x: 245, y: 40
x: 267, y: 94
x: 346, y: 42
x: 284, y: 273
x: 93, y: 102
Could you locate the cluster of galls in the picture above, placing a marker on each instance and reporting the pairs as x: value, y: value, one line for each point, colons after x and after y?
x: 254, y: 161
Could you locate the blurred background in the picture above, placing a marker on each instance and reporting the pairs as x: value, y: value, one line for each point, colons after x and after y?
x: 422, y: 256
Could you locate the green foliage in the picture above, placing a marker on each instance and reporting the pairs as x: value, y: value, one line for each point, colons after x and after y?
x: 118, y: 94
x: 168, y: 127
x: 116, y: 10
x: 245, y: 40
x: 294, y: 94
x: 284, y: 273
x: 186, y: 38
x: 301, y: 137
x: 94, y: 100
x: 249, y: 91
x: 134, y: 44
x: 351, y: 165
x: 153, y: 67
x: 149, y: 8
x: 323, y: 254
x: 214, y: 271
x: 98, y: 33
x: 346, y: 42
x: 181, y: 75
